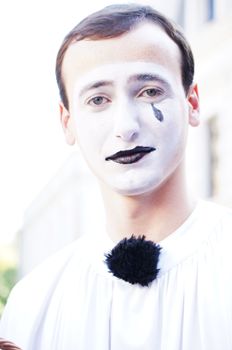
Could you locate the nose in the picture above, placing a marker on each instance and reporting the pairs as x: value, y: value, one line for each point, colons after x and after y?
x: 126, y: 123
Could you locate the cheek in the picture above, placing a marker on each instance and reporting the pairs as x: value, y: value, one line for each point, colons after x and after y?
x: 174, y: 141
x: 92, y: 132
x: 174, y: 128
x: 175, y: 133
x: 152, y: 113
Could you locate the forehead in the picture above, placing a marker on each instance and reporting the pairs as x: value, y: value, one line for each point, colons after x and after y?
x: 146, y: 44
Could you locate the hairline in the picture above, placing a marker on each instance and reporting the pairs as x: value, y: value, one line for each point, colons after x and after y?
x: 179, y: 40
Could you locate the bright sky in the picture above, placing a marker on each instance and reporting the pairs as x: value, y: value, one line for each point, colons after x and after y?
x: 32, y: 147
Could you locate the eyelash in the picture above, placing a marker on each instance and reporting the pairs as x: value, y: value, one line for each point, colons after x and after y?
x: 158, y: 92
x: 91, y: 101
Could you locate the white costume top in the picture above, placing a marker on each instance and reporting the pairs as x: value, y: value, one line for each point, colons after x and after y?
x: 72, y: 302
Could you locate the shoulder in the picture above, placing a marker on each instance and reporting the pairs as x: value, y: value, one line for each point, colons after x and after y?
x: 216, y: 214
x: 50, y: 269
x: 30, y: 295
x: 218, y: 221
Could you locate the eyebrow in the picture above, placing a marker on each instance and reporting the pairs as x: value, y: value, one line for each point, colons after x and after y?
x: 149, y: 77
x: 144, y: 77
x: 95, y: 85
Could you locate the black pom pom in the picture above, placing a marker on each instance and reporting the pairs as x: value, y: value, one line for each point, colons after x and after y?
x: 134, y: 260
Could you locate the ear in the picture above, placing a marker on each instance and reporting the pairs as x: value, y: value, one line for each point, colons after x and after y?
x: 67, y: 125
x: 193, y: 104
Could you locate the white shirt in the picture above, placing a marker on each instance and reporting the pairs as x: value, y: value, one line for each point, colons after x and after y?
x: 72, y: 302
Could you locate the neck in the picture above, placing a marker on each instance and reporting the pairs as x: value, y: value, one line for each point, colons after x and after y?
x: 156, y: 214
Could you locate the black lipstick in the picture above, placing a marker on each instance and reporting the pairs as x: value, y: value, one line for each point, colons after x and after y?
x: 130, y: 156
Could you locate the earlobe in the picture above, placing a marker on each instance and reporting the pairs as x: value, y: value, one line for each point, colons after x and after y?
x: 67, y: 126
x: 194, y: 107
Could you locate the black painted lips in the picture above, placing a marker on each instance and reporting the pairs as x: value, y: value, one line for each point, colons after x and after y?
x: 130, y: 156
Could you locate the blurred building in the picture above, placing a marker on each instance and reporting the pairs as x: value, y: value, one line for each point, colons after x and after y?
x: 70, y: 205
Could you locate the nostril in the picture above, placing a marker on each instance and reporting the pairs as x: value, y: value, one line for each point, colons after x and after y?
x: 127, y: 130
x: 127, y: 135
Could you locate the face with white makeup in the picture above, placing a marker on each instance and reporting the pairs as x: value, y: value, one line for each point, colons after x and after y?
x: 128, y: 110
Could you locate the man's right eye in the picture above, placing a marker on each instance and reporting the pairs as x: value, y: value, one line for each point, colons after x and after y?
x: 98, y: 101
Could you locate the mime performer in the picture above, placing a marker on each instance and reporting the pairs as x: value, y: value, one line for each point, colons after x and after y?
x: 160, y: 275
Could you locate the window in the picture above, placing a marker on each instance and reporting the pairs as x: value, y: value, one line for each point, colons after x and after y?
x: 213, y: 155
x: 210, y: 10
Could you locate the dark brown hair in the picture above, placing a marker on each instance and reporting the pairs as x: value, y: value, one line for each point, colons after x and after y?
x: 115, y: 20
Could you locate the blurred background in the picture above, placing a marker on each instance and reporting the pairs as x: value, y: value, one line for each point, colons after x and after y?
x: 48, y: 198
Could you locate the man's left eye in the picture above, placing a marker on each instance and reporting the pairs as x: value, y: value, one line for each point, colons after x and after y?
x: 151, y: 92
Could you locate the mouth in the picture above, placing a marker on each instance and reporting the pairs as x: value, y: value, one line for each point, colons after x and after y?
x: 130, y: 156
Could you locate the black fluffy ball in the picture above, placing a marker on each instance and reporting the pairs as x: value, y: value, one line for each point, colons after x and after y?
x: 134, y: 260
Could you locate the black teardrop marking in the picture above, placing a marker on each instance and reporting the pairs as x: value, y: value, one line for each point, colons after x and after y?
x: 134, y: 260
x: 157, y: 113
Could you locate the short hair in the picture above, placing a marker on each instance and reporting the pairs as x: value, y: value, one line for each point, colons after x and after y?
x: 115, y: 20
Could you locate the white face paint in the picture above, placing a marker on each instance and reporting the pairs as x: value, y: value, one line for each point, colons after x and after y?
x: 111, y: 92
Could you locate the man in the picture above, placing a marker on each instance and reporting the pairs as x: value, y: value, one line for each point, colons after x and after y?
x: 160, y: 276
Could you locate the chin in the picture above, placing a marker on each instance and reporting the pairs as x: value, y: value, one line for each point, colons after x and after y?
x: 135, y: 189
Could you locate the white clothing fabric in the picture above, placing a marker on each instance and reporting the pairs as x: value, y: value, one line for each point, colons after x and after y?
x: 72, y: 302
